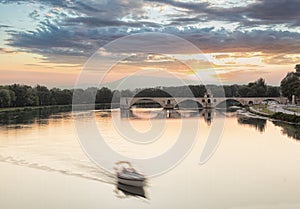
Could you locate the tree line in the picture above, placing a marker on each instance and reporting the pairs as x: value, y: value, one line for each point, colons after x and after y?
x: 17, y: 95
x: 258, y: 88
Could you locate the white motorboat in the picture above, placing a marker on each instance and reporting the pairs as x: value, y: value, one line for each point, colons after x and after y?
x: 129, y: 176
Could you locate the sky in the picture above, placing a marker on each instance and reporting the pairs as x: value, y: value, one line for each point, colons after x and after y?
x: 50, y: 42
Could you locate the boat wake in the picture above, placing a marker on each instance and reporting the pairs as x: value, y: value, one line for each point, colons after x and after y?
x: 91, y: 173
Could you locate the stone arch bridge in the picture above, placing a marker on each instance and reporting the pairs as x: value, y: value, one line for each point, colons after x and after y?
x: 205, y: 102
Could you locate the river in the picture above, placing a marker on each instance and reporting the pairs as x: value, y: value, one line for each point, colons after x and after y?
x: 255, y: 165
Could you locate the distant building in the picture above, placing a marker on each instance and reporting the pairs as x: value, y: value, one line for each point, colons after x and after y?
x: 297, y: 68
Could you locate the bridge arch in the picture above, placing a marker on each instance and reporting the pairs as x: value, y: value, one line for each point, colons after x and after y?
x: 229, y: 102
x: 271, y: 100
x: 147, y: 103
x: 188, y: 104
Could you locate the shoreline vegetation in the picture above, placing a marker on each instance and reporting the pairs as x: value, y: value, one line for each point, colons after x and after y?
x: 29, y: 108
x: 262, y: 110
x: 99, y: 106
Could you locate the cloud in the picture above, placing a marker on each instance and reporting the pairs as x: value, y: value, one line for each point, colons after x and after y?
x: 53, y: 40
x: 200, y: 7
x: 281, y: 59
x: 85, y: 26
x: 248, y: 41
x: 49, y: 38
x: 101, y: 8
x: 99, y: 22
x: 275, y: 10
x: 4, y: 26
x: 261, y: 12
x: 242, y: 75
x: 110, y: 9
x: 7, y: 51
x: 34, y: 15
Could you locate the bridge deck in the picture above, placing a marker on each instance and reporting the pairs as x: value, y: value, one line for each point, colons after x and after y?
x: 171, y: 102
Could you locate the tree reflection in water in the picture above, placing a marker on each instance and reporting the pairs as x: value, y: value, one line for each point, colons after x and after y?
x: 291, y: 130
x: 31, y: 116
x: 258, y: 123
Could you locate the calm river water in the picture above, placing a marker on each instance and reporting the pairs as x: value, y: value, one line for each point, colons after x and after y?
x: 42, y: 165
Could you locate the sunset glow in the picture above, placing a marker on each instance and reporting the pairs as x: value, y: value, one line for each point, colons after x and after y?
x: 48, y: 42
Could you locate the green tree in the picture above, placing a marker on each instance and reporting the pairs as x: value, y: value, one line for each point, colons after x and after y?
x: 258, y: 88
x: 253, y: 89
x: 116, y: 96
x: 126, y: 93
x: 243, y: 91
x: 24, y: 95
x: 198, y: 90
x: 104, y: 95
x: 290, y: 86
x: 273, y: 91
x: 31, y: 97
x: 5, y: 98
x: 43, y: 94
x: 60, y: 97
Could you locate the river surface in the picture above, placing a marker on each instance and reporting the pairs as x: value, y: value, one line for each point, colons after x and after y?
x: 255, y: 166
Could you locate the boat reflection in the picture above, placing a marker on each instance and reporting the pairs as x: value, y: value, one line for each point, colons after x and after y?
x: 126, y: 191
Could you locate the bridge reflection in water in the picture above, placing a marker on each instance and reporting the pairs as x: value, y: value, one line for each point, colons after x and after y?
x: 159, y: 113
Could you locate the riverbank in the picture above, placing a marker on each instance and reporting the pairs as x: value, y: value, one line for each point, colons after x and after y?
x: 29, y: 108
x: 263, y: 110
x: 293, y: 109
x: 66, y: 107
